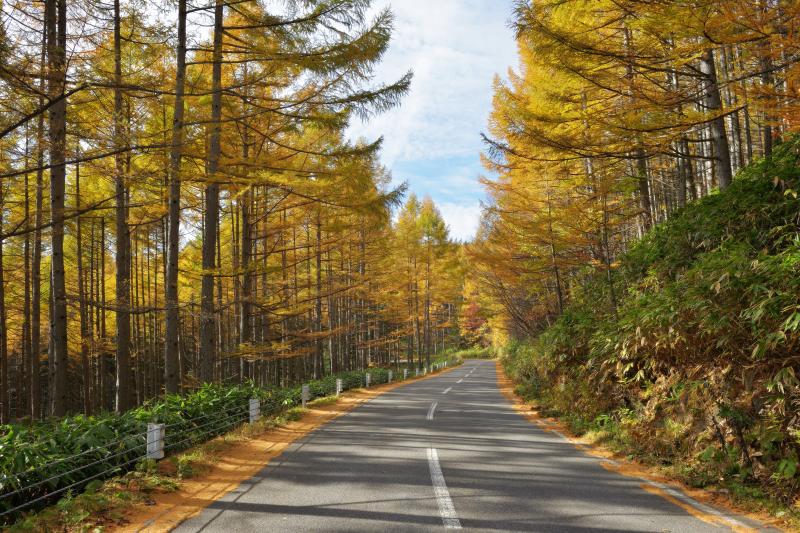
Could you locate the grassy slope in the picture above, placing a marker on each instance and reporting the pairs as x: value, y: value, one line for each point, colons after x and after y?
x: 696, y: 370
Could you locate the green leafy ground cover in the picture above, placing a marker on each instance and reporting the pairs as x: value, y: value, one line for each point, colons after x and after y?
x: 42, y: 462
x: 696, y: 370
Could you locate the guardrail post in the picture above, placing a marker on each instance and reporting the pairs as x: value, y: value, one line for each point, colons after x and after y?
x: 155, y: 441
x: 367, y: 378
x: 390, y: 377
x: 338, y: 386
x: 304, y: 394
x: 255, y: 410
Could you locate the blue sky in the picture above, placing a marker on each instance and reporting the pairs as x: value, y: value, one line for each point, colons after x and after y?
x: 432, y: 141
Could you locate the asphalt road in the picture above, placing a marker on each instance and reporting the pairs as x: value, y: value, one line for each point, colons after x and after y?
x: 445, y: 452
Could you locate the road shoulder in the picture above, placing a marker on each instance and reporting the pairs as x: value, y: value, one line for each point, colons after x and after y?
x: 237, y: 461
x: 710, y: 507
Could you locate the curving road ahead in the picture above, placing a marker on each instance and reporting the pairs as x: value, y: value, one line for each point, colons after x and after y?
x: 447, y: 452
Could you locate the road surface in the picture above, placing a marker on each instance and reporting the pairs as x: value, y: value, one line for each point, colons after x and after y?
x: 445, y: 452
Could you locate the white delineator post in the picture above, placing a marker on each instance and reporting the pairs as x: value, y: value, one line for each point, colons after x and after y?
x: 304, y: 394
x: 368, y: 379
x: 338, y: 386
x: 255, y: 410
x: 405, y: 373
x: 390, y: 377
x: 155, y: 441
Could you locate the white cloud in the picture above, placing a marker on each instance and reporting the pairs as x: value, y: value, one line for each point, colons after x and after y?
x: 454, y: 47
x: 461, y: 219
x: 432, y: 140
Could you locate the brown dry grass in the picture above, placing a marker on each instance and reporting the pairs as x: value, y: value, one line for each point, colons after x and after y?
x: 625, y: 467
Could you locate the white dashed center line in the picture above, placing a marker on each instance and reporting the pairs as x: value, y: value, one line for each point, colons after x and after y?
x: 431, y: 410
x: 446, y: 508
x: 447, y: 390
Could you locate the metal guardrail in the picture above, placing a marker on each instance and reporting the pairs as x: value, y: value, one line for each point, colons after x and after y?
x: 155, y: 443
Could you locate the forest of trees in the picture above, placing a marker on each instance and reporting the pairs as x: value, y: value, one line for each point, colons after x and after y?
x: 179, y: 203
x: 637, y: 263
x: 618, y: 115
x: 183, y: 203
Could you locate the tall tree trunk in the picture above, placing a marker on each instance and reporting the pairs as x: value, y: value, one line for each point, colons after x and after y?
x: 332, y: 346
x: 553, y: 257
x: 713, y: 103
x: 428, y: 305
x: 56, y: 22
x: 101, y: 317
x: 124, y: 397
x: 639, y: 153
x: 208, y: 330
x: 86, y: 371
x: 680, y: 176
x: 767, y: 82
x: 245, y: 292
x: 318, y: 301
x: 218, y: 312
x: 97, y: 401
x: 245, y: 328
x: 417, y: 335
x: 171, y: 347
x: 644, y: 188
x: 36, y: 260
x: 4, y: 392
x: 26, y: 300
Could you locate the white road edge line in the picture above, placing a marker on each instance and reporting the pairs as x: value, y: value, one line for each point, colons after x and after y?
x: 431, y: 410
x: 697, y: 505
x: 446, y: 508
x: 447, y: 390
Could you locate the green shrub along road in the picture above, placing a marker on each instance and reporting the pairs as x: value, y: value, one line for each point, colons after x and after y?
x: 696, y: 367
x: 41, y: 462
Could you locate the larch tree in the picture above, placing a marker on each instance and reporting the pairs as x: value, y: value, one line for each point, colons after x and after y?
x: 183, y: 206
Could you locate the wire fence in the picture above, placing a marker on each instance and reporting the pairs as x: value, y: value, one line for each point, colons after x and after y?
x: 184, y: 423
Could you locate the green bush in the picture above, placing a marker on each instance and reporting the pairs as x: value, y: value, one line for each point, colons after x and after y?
x: 698, y: 363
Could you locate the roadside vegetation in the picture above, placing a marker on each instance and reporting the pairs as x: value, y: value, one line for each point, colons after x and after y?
x: 104, y: 503
x: 695, y: 370
x: 636, y: 267
x: 475, y: 352
x: 58, y: 459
